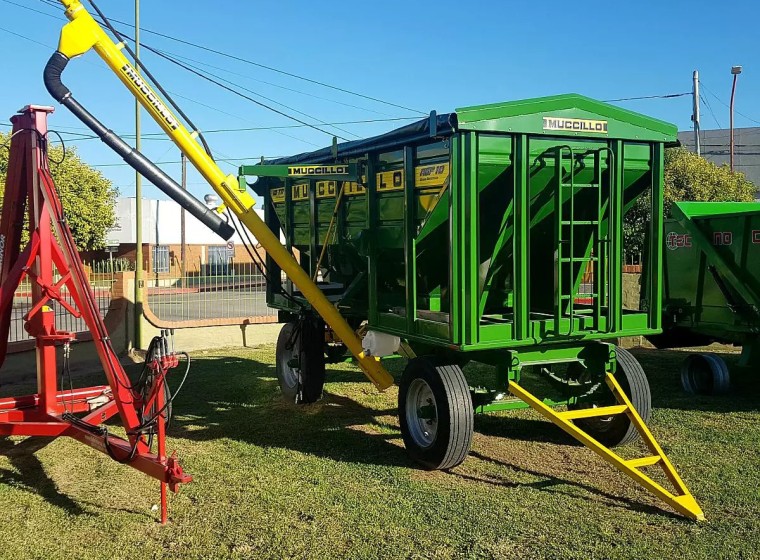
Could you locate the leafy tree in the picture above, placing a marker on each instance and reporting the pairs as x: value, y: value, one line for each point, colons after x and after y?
x: 687, y: 177
x: 88, y: 198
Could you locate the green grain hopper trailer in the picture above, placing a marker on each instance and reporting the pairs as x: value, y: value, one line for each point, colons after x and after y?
x: 493, y: 234
x: 711, y: 289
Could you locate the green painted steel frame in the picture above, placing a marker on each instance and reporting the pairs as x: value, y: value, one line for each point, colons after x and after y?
x: 726, y: 268
x: 599, y: 357
x: 521, y: 237
x: 467, y: 331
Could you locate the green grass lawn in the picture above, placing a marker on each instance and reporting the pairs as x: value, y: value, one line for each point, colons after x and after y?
x: 332, y: 480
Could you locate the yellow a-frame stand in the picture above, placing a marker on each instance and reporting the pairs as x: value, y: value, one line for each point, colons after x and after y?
x: 682, y: 501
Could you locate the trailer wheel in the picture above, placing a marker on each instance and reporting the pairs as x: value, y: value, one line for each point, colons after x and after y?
x: 705, y: 374
x: 435, y: 413
x: 618, y: 429
x: 300, y: 360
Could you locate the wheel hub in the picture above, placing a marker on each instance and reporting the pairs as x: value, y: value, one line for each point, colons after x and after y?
x: 421, y: 413
x: 289, y: 363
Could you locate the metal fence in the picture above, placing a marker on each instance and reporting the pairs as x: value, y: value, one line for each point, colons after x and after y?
x: 101, y: 277
x: 219, y: 289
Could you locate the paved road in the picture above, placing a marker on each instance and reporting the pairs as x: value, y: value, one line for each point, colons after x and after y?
x: 211, y: 305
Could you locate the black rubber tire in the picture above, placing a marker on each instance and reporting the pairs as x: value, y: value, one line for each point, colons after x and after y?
x: 302, y: 384
x: 455, y: 415
x: 617, y: 430
x: 705, y: 374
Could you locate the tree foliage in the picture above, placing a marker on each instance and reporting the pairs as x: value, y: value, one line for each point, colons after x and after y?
x: 88, y: 198
x: 687, y: 177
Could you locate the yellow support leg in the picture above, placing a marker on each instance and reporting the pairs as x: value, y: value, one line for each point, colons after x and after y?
x: 682, y: 501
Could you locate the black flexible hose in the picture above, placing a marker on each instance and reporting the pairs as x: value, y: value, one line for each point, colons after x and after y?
x: 52, y: 78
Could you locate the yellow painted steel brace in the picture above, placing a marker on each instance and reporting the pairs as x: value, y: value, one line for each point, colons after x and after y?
x: 682, y: 501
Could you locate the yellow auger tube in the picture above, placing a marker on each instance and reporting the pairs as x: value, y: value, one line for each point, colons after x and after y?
x: 83, y: 33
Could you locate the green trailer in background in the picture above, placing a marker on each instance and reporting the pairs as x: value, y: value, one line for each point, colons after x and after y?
x: 711, y: 287
x: 493, y: 234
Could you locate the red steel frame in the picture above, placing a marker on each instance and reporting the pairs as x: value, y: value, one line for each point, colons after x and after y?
x: 49, y: 412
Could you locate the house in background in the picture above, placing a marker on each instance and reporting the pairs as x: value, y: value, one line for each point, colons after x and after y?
x: 714, y: 146
x: 205, y: 252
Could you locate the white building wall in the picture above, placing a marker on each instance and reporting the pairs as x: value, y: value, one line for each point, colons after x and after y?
x: 161, y: 225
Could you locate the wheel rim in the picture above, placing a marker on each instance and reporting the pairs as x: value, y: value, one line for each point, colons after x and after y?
x: 421, y: 413
x: 289, y: 374
x: 697, y: 374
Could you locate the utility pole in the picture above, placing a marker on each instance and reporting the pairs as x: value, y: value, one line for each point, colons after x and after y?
x: 695, y: 113
x: 183, y: 246
x: 735, y: 70
x: 138, y: 202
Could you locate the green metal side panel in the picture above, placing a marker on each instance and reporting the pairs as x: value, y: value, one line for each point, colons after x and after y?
x: 712, y: 269
x: 477, y: 264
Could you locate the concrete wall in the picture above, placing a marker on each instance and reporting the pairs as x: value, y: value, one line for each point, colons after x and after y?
x: 631, y: 297
x: 631, y: 291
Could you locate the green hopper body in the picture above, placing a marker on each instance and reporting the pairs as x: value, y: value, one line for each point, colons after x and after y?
x: 493, y: 229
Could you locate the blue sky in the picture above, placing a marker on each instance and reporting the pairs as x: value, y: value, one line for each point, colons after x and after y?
x: 422, y: 55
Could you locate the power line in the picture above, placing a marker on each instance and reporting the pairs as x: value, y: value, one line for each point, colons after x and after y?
x: 363, y: 121
x: 24, y: 36
x: 301, y: 92
x: 726, y: 104
x: 323, y: 84
x: 121, y: 37
x: 248, y: 62
x: 48, y: 47
x: 225, y: 160
x: 226, y: 87
x: 237, y: 117
x: 170, y: 59
x: 89, y: 137
x: 264, y: 66
x: 162, y: 136
x: 666, y: 96
x: 709, y: 108
x: 31, y: 9
x: 200, y: 72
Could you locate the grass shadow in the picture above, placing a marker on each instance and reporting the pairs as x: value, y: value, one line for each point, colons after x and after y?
x: 29, y: 473
x: 552, y: 482
x: 246, y: 405
x: 522, y: 429
x: 663, y: 372
x: 239, y: 398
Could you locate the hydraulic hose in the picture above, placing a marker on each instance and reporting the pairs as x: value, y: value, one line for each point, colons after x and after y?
x: 145, y: 167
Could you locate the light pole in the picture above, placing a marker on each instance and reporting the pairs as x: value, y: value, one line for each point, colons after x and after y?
x: 137, y: 344
x: 735, y: 70
x: 183, y: 242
